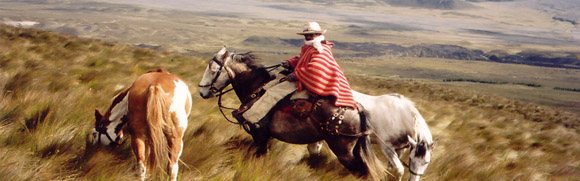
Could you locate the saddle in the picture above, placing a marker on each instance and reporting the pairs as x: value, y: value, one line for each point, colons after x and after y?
x: 304, y: 105
x: 319, y: 108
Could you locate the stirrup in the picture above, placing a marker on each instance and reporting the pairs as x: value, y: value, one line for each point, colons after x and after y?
x: 239, y: 116
x: 259, y: 126
x: 248, y: 126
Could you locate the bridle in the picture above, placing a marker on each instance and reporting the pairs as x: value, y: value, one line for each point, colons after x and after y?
x: 101, y: 129
x: 409, y: 167
x: 220, y: 92
x: 211, y: 86
x: 411, y: 171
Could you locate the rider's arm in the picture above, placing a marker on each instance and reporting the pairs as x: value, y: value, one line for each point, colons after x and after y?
x: 321, y: 65
x: 293, y: 61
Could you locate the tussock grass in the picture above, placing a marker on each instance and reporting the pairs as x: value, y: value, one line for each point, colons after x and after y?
x: 50, y: 85
x: 482, y: 137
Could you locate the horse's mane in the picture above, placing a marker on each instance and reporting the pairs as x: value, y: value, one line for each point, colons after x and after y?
x: 160, y: 70
x: 118, y: 98
x: 249, y: 59
x: 252, y: 61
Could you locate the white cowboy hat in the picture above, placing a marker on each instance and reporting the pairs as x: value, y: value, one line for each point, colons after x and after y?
x: 312, y: 28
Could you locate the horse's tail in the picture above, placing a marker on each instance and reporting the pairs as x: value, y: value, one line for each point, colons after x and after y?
x: 374, y: 166
x: 158, y: 118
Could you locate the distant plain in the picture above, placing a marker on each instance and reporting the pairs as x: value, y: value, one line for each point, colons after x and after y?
x: 203, y: 30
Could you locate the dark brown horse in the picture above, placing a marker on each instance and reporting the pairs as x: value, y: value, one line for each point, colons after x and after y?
x: 155, y: 109
x: 348, y: 138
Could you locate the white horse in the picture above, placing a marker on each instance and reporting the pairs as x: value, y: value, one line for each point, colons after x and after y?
x: 397, y: 125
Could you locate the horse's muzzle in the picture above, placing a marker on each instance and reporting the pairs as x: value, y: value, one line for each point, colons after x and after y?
x: 206, y: 96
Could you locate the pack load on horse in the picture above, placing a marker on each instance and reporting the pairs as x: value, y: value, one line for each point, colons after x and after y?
x: 345, y: 129
x: 154, y: 110
x: 397, y: 126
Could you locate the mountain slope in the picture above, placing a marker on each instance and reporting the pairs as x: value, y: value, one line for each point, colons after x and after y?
x: 51, y: 83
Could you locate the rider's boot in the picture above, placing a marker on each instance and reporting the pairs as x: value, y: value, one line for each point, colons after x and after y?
x: 257, y: 129
x: 260, y: 135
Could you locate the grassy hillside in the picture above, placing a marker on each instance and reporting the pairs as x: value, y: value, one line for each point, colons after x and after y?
x: 51, y: 83
x: 360, y: 38
x: 434, y: 71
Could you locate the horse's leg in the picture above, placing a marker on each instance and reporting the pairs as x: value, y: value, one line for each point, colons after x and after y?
x: 139, y: 149
x: 261, y: 141
x: 393, y: 158
x: 343, y: 148
x: 176, y: 147
x: 314, y: 148
x: 261, y: 136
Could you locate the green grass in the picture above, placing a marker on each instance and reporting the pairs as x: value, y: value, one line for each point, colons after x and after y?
x: 50, y: 85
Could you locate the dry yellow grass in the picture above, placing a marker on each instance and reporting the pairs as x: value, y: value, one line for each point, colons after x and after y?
x: 483, y: 137
x: 434, y: 71
x: 51, y: 83
x: 489, y: 26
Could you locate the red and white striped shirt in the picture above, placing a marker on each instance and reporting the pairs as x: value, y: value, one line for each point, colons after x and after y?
x: 319, y: 73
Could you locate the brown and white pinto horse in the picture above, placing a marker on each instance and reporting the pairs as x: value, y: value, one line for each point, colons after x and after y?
x: 155, y: 109
x: 346, y: 136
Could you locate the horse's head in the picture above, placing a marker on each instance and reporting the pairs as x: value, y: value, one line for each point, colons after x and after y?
x: 419, y: 157
x: 107, y: 132
x: 227, y: 67
x: 217, y: 75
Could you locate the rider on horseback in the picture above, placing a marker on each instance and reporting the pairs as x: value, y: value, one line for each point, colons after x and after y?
x: 315, y: 70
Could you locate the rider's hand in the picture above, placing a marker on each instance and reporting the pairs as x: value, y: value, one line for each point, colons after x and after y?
x: 291, y: 77
x: 285, y: 64
x: 285, y: 72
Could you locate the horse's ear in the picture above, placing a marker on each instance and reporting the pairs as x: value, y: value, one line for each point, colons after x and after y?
x: 411, y: 141
x: 432, y: 145
x: 221, y: 53
x: 98, y: 115
x: 224, y: 56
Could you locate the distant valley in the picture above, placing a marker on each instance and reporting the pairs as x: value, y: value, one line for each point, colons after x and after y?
x: 371, y: 49
x: 373, y: 38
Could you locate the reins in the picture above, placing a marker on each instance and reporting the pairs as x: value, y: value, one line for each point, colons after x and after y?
x: 221, y: 107
x: 410, y: 171
x: 273, y: 67
x: 101, y: 129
